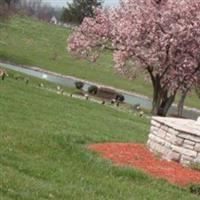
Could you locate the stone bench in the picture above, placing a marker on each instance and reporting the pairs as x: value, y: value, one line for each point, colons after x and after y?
x: 175, y: 139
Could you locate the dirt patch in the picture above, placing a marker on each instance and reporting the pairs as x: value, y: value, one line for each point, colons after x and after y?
x: 138, y: 156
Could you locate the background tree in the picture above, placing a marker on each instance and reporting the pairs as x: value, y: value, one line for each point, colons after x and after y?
x: 79, y: 9
x: 3, y: 13
x: 38, y: 8
x: 6, y: 8
x: 9, y: 3
x: 159, y: 37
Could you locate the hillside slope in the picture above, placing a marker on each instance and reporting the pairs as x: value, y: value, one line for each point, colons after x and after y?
x: 31, y: 42
x: 44, y: 155
x: 28, y: 41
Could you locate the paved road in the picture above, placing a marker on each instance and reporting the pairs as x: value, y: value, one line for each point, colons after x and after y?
x: 130, y: 98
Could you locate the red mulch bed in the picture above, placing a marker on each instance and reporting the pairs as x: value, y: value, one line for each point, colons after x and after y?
x: 138, y: 156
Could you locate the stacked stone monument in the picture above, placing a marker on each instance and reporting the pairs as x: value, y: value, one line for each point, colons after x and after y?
x: 175, y: 139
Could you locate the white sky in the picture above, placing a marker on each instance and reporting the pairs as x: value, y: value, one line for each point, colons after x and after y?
x: 61, y: 3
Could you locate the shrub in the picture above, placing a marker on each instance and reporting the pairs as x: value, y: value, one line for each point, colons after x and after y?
x: 120, y: 97
x: 79, y: 85
x: 195, y: 189
x: 93, y: 89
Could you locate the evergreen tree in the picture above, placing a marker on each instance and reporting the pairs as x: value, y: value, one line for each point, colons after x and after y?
x: 79, y: 9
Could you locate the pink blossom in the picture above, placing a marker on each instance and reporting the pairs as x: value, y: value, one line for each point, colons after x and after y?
x: 161, y: 37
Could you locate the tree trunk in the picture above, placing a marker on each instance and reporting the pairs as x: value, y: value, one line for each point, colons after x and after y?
x: 181, y: 104
x: 8, y: 2
x: 156, y: 96
x: 161, y: 100
x: 165, y: 105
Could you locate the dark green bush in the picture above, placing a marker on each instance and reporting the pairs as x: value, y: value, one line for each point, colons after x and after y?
x: 195, y: 189
x: 120, y: 97
x: 79, y: 85
x: 92, y: 89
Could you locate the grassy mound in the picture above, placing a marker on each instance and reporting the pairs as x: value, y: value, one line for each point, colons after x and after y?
x: 44, y: 155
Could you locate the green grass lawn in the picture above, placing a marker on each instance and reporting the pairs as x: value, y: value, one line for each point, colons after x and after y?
x: 43, y: 149
x: 30, y: 42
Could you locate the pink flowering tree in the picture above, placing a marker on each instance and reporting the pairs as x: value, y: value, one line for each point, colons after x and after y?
x: 159, y: 37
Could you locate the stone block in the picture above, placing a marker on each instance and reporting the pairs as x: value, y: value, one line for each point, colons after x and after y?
x: 187, y: 146
x: 154, y: 129
x: 189, y: 137
x: 149, y: 142
x: 155, y: 123
x: 177, y: 149
x: 169, y: 137
x: 178, y: 141
x: 157, y: 148
x: 164, y: 150
x: 189, y: 142
x: 161, y: 133
x: 190, y: 153
x: 164, y: 127
x: 152, y: 137
x: 173, y: 131
x: 197, y: 147
x: 173, y: 156
x: 168, y: 145
x: 157, y: 139
x: 186, y: 160
x: 197, y: 159
x: 152, y: 145
x: 186, y: 152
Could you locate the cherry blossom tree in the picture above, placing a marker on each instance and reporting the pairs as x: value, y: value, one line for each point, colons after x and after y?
x: 159, y: 37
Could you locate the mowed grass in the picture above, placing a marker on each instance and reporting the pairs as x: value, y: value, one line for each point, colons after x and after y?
x: 31, y: 42
x: 44, y: 155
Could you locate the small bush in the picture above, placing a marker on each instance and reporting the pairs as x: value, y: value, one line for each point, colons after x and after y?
x: 79, y: 85
x: 195, y: 189
x: 93, y: 89
x: 120, y: 97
